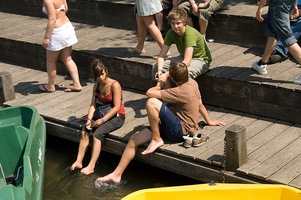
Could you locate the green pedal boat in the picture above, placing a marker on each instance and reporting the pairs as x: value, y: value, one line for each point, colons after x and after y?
x: 22, y: 153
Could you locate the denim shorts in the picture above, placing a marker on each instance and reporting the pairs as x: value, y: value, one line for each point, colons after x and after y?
x: 278, y: 21
x: 170, y: 125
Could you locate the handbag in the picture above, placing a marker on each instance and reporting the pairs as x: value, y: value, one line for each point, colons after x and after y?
x: 101, y: 109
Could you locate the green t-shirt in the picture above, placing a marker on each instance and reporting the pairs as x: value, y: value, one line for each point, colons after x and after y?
x: 191, y: 38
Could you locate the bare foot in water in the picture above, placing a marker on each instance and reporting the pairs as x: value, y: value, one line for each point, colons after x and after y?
x: 153, y: 145
x: 87, y: 171
x: 109, y: 178
x: 76, y: 165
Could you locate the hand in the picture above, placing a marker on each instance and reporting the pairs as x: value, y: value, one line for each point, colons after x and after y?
x: 45, y: 43
x: 163, y: 77
x: 295, y: 13
x: 216, y: 123
x: 259, y: 15
x: 88, y: 124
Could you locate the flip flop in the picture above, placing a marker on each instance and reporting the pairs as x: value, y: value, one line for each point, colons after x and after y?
x: 72, y: 89
x: 43, y: 88
x: 134, y: 50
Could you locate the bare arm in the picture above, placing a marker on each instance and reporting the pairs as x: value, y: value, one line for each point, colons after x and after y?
x: 205, y: 115
x: 261, y: 4
x: 49, y: 6
x: 188, y: 56
x: 154, y: 92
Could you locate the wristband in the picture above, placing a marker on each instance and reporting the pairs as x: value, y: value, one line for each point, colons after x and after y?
x: 102, y: 120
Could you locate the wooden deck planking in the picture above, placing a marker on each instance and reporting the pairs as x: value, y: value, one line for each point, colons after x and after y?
x: 265, y: 137
x: 270, y: 148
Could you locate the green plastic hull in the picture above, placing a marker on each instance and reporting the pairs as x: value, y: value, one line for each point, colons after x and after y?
x: 22, y: 153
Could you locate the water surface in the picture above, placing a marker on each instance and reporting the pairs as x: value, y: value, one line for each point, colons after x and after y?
x: 62, y: 184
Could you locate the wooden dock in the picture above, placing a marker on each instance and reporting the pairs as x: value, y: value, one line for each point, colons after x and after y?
x: 268, y: 106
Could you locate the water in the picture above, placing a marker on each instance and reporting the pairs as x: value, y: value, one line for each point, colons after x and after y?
x: 62, y: 184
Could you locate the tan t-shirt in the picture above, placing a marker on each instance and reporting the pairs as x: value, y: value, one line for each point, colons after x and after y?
x: 184, y: 100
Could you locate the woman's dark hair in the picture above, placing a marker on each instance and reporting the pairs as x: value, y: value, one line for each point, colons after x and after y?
x: 178, y: 72
x: 98, y: 68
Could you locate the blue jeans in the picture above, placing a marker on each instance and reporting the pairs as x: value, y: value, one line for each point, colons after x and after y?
x: 278, y: 21
x: 296, y: 29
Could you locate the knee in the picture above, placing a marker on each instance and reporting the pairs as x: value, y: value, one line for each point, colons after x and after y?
x: 151, y: 102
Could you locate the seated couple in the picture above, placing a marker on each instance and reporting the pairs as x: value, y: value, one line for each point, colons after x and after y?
x: 171, y: 113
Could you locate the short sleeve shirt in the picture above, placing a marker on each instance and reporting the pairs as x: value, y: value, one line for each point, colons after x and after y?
x: 184, y: 100
x: 191, y: 38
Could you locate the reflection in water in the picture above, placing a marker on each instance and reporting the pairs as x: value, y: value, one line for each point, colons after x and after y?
x: 62, y: 184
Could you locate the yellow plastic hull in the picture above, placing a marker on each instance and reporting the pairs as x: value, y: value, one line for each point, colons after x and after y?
x: 220, y: 191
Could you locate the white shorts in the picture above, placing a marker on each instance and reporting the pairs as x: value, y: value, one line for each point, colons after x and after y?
x: 62, y: 37
x: 147, y: 7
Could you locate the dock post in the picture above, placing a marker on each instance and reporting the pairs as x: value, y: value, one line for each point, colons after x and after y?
x: 236, y: 147
x: 7, y: 91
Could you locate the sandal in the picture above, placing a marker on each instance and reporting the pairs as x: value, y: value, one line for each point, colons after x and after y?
x: 134, y: 50
x: 43, y: 88
x: 72, y: 89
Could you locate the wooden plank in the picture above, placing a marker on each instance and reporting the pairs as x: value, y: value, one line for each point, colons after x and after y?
x: 215, y: 154
x: 278, y: 162
x: 270, y: 148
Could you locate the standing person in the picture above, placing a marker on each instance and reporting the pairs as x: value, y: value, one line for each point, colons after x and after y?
x: 179, y: 119
x: 280, y: 53
x: 203, y: 10
x: 107, y: 91
x: 145, y: 11
x: 278, y: 26
x: 58, y: 40
x: 191, y: 45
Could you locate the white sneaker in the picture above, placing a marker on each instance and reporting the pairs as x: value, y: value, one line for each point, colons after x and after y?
x: 261, y: 69
x: 297, y: 80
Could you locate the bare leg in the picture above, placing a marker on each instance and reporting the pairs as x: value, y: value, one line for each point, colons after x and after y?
x: 270, y: 44
x: 159, y: 20
x: 295, y: 50
x: 203, y: 26
x: 154, y: 30
x: 83, y: 144
x: 153, y: 106
x: 189, y: 21
x: 142, y: 31
x: 129, y: 153
x: 71, y: 67
x: 52, y: 57
x: 95, y: 154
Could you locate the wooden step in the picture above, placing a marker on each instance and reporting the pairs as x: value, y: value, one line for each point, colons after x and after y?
x: 235, y: 22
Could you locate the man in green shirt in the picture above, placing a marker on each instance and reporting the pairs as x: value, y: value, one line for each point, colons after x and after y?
x: 191, y: 45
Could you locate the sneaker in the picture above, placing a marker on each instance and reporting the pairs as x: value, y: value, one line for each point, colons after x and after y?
x: 199, y: 139
x: 187, y: 141
x: 277, y: 57
x: 297, y: 80
x: 261, y: 69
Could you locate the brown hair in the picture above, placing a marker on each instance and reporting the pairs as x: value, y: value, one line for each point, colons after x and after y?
x: 177, y: 14
x: 178, y: 72
x: 97, y: 68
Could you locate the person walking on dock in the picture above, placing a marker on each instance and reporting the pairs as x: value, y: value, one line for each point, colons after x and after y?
x: 278, y: 26
x: 106, y: 92
x: 173, y: 119
x: 58, y: 40
x: 145, y: 11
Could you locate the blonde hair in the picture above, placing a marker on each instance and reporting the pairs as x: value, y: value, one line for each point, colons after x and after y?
x: 177, y: 14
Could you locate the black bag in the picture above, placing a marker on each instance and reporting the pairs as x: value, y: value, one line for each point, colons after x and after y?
x: 101, y: 109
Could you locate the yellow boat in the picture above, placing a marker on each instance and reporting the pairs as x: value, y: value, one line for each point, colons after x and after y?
x: 221, y: 191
